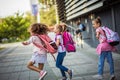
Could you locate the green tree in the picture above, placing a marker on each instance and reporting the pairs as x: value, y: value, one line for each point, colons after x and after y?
x: 48, y: 17
x: 14, y: 27
x: 47, y: 2
x: 47, y: 12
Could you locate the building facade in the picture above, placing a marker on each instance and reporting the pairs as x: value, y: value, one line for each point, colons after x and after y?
x: 70, y: 11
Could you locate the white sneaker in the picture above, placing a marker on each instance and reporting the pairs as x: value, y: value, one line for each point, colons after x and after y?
x: 99, y: 77
x: 42, y: 74
x: 112, y: 77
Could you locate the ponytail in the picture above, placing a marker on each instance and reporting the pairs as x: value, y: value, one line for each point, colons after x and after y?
x: 98, y: 20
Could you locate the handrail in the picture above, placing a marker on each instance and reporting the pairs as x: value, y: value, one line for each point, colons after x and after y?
x: 70, y: 27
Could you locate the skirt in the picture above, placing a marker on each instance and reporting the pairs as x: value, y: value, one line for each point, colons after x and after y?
x: 39, y: 58
x: 104, y: 47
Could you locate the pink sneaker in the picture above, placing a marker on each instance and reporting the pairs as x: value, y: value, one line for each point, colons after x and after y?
x: 42, y: 74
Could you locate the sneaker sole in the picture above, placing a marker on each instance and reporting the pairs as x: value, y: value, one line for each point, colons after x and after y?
x: 71, y: 76
x: 43, y: 76
x: 97, y: 78
x: 113, y: 78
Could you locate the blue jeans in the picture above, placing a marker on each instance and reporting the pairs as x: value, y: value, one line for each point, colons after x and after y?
x: 103, y: 55
x: 59, y: 61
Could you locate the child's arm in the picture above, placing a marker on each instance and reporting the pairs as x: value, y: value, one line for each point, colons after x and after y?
x: 97, y: 35
x: 25, y: 43
x: 57, y: 42
x: 29, y: 41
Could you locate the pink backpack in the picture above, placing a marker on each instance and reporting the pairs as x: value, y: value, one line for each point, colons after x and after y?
x: 112, y: 37
x: 68, y: 42
x: 48, y: 44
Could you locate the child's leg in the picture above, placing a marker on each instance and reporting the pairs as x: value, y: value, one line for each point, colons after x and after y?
x: 42, y: 73
x: 40, y: 66
x: 62, y: 68
x: 101, y: 63
x: 111, y: 63
x: 63, y: 73
x: 59, y: 62
x: 31, y: 66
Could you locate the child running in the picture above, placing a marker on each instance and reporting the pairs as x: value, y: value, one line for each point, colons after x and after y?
x: 61, y: 53
x: 104, y: 50
x: 39, y: 54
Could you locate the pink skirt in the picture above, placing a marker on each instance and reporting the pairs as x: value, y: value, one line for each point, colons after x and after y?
x: 104, y: 47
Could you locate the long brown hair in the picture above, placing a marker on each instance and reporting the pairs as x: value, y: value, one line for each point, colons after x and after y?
x: 38, y: 28
x: 64, y: 26
x: 59, y: 27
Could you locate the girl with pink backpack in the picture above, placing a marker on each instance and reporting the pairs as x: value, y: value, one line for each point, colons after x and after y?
x: 104, y: 50
x: 61, y: 53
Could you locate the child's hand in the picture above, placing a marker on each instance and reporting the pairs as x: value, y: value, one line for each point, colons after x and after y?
x: 25, y: 43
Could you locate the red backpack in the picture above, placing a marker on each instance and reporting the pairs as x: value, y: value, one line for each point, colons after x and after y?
x: 48, y: 44
x: 68, y: 42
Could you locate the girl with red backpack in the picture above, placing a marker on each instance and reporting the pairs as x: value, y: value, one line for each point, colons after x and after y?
x: 61, y: 53
x: 39, y: 54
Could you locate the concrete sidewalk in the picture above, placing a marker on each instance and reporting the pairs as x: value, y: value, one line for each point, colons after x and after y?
x: 13, y: 64
x: 83, y: 63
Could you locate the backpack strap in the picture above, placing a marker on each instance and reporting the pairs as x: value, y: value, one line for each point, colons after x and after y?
x: 103, y: 32
x: 39, y: 46
x: 106, y: 29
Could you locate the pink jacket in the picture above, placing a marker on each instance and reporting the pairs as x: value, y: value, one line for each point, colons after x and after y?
x: 103, y: 45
